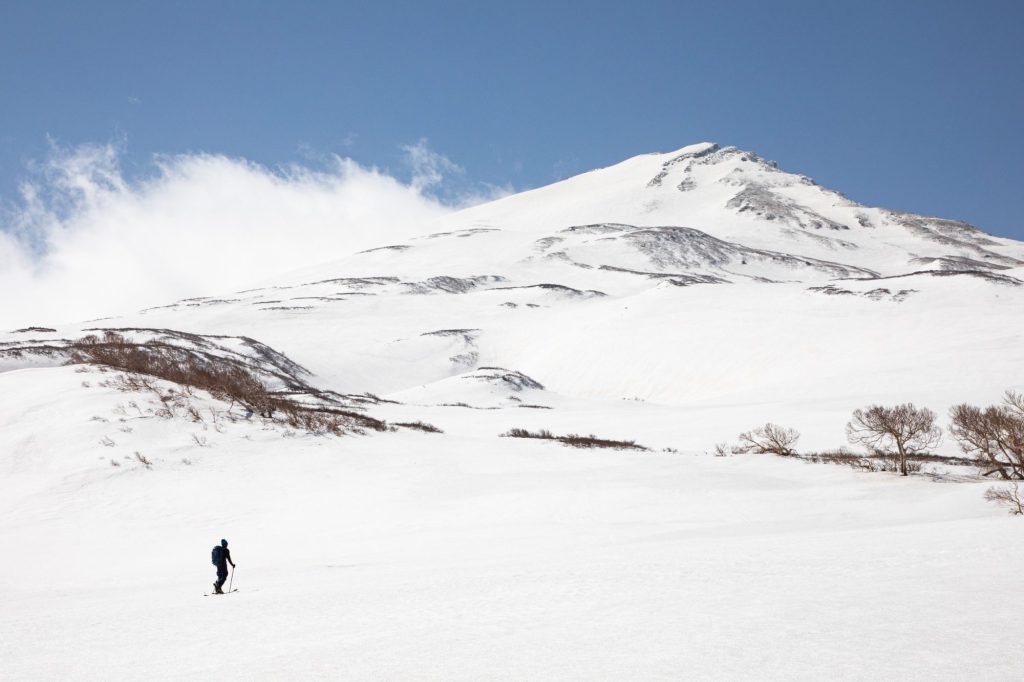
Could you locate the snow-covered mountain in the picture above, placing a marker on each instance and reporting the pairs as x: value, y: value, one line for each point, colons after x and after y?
x: 673, y: 299
x: 703, y: 276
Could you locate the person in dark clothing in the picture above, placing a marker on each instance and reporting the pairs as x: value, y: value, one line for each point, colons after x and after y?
x: 221, y: 559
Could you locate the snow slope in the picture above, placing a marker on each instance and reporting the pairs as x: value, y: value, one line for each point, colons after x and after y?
x: 675, y: 299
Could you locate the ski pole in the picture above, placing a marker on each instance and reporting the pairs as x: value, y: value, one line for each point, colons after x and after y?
x: 232, y: 581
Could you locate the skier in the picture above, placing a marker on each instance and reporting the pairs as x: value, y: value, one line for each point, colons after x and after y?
x: 221, y: 558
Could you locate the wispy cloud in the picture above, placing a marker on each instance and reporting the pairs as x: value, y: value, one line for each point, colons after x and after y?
x: 84, y: 241
x: 435, y: 175
x: 429, y: 168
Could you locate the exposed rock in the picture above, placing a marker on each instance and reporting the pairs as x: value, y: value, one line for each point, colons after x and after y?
x: 510, y: 378
x: 959, y: 263
x: 451, y: 285
x: 762, y: 202
x: 395, y: 247
x: 558, y: 288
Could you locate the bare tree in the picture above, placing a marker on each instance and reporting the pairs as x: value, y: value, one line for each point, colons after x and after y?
x: 770, y: 439
x: 994, y: 436
x: 907, y: 428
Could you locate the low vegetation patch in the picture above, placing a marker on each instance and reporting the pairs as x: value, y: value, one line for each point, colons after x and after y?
x: 575, y: 440
x: 145, y: 363
x: 419, y: 426
x: 876, y: 461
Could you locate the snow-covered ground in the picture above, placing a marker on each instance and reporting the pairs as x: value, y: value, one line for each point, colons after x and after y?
x: 467, y: 556
x: 673, y: 299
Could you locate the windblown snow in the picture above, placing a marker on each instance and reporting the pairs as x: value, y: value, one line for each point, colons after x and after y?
x: 673, y: 299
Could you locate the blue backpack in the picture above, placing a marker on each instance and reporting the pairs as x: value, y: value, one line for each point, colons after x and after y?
x: 217, y: 555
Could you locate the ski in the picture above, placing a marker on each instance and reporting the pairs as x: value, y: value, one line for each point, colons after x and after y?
x: 215, y: 594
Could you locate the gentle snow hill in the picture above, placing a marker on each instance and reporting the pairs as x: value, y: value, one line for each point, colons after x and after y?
x: 673, y: 299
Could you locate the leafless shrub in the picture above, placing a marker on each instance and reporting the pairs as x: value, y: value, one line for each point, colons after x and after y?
x: 907, y: 428
x: 575, y: 440
x: 993, y: 436
x: 770, y: 439
x: 186, y: 461
x: 524, y: 433
x: 722, y: 450
x: 419, y: 426
x: 845, y: 457
x: 330, y: 421
x: 143, y: 460
x: 216, y: 417
x: 106, y: 441
x: 144, y: 363
x: 592, y: 441
x: 877, y: 461
x: 86, y: 384
x: 1008, y: 497
x: 671, y: 451
x: 200, y: 441
x: 114, y: 463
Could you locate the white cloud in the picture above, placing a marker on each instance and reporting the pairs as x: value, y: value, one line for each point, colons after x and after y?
x: 83, y: 241
x: 428, y: 167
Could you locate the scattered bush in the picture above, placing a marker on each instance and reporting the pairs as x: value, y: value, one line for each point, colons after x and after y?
x: 223, y: 379
x: 220, y: 378
x: 575, y: 440
x: 907, y: 428
x: 592, y: 441
x: 143, y: 460
x: 723, y: 450
x: 330, y: 421
x: 993, y: 436
x: 523, y: 433
x: 419, y: 426
x: 770, y: 439
x: 871, y: 462
x: 1008, y: 497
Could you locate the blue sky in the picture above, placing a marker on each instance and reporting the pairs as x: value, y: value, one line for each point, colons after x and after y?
x: 910, y: 105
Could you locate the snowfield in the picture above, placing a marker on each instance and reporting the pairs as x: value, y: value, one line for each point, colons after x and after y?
x: 675, y: 300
